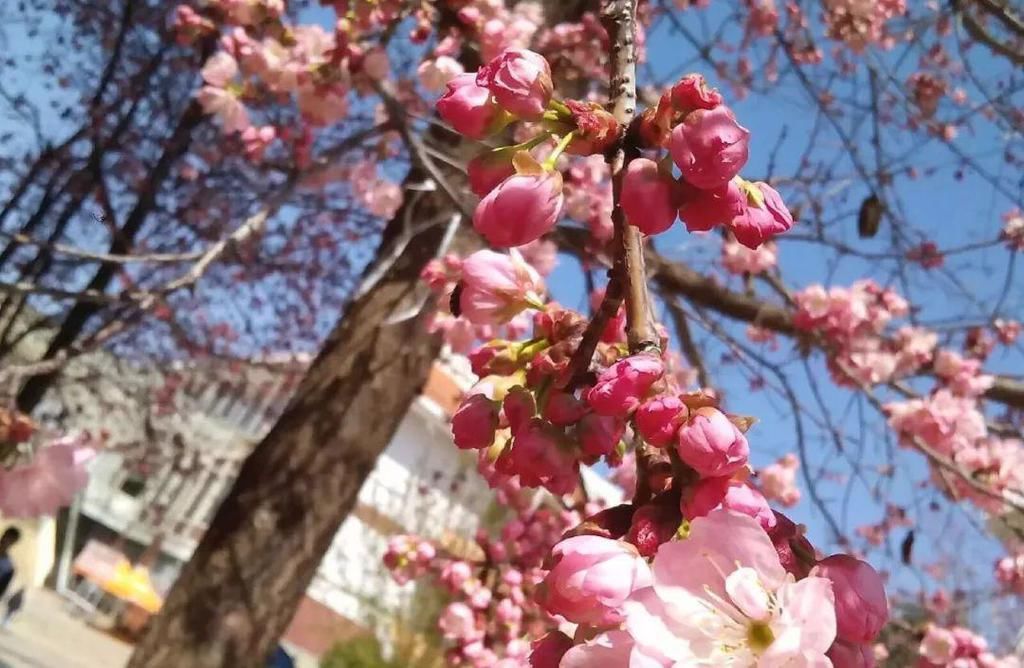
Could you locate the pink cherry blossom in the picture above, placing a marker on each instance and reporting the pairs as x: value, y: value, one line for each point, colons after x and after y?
x: 738, y: 259
x: 778, y: 481
x: 721, y: 597
x: 861, y: 606
x: 520, y: 81
x: 469, y: 108
x: 475, y: 422
x: 496, y: 287
x: 621, y: 387
x: 710, y: 147
x: 647, y: 198
x: 711, y: 494
x: 434, y: 74
x: 600, y: 434
x: 590, y: 578
x: 458, y: 621
x: 521, y: 209
x: 765, y: 216
x: 711, y: 444
x: 703, y: 210
x: 487, y: 170
x: 658, y: 418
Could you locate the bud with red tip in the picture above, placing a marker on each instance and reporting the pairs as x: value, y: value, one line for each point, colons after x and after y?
x: 692, y: 92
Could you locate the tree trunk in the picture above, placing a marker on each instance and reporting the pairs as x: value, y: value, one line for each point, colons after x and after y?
x: 236, y: 596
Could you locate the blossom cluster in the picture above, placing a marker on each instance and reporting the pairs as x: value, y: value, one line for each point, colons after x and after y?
x: 492, y: 612
x: 49, y: 481
x: 958, y: 647
x: 709, y: 148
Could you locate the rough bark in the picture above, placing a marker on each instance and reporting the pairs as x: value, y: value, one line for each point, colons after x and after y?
x: 236, y: 596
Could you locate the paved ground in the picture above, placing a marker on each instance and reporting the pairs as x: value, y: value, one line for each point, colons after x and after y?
x: 46, y: 635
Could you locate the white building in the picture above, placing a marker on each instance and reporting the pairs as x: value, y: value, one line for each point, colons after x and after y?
x: 178, y: 438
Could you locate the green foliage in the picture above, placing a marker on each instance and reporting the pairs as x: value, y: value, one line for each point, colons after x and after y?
x: 362, y: 652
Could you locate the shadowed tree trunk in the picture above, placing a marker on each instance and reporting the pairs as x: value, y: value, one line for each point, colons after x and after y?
x: 236, y: 596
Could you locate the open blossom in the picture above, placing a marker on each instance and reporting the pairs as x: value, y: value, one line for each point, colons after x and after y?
x: 496, y: 287
x: 591, y: 577
x: 521, y: 209
x: 738, y: 259
x: 710, y: 147
x: 1013, y: 229
x: 720, y: 597
x: 962, y: 376
x: 470, y: 109
x: 778, y: 481
x: 647, y: 198
x: 520, y: 81
x: 435, y: 73
x: 621, y: 387
x: 711, y: 444
x: 459, y: 621
x: 958, y: 647
x: 861, y: 606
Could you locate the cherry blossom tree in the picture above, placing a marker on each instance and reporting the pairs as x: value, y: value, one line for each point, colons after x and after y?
x: 226, y: 178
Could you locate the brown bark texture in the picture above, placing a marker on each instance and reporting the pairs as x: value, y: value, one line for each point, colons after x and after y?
x: 234, y: 599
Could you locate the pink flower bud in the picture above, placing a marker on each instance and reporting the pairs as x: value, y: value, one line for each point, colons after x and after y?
x: 563, y: 409
x: 458, y: 621
x: 710, y: 147
x: 599, y: 434
x: 765, y: 216
x: 376, y: 64
x: 487, y: 170
x: 469, y: 109
x: 711, y: 444
x: 520, y: 209
x: 621, y: 387
x: 547, y: 652
x: 861, y: 607
x: 647, y: 198
x: 496, y: 287
x: 849, y: 655
x: 591, y: 578
x: 796, y: 554
x: 658, y: 418
x: 703, y: 210
x: 711, y: 493
x: 474, y: 423
x: 692, y: 92
x: 520, y: 407
x: 654, y: 524
x: 540, y: 457
x: 520, y: 81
